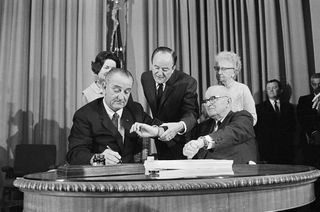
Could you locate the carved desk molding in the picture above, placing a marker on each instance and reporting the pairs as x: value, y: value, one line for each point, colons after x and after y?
x: 252, y: 185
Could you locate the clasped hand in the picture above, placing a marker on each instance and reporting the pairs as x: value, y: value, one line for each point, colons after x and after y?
x: 191, y: 148
x: 173, y: 129
x: 146, y: 131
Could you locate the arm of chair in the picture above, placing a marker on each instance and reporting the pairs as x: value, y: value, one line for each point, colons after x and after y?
x: 9, y: 171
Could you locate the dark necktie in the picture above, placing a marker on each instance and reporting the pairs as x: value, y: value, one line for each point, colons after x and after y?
x: 218, y: 123
x: 159, y: 93
x: 115, y: 119
x: 276, y: 108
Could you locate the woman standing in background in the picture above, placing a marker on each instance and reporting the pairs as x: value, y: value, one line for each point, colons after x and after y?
x: 104, y: 61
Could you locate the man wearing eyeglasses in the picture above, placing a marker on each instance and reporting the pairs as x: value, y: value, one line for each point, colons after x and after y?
x: 172, y: 97
x: 226, y: 134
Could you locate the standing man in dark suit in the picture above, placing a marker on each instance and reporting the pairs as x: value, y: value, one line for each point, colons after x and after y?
x: 172, y: 97
x: 102, y: 126
x: 275, y: 127
x: 226, y: 134
x: 309, y: 119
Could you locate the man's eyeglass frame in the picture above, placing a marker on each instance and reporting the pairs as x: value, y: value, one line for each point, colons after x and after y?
x: 212, y: 99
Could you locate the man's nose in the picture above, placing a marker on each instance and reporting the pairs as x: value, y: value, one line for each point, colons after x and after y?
x: 121, y: 96
x: 160, y: 72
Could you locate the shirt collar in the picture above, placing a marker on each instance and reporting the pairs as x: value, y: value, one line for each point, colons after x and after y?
x: 157, y: 85
x: 96, y: 88
x: 110, y: 111
x: 221, y: 120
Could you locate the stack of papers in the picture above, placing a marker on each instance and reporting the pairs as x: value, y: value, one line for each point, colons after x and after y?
x: 168, y: 169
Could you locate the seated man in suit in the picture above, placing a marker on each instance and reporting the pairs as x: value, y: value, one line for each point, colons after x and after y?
x: 102, y: 126
x: 226, y: 135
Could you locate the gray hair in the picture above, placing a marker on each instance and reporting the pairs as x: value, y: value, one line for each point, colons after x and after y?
x: 229, y: 56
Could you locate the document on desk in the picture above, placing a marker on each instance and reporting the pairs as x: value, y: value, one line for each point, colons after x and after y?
x: 188, y: 168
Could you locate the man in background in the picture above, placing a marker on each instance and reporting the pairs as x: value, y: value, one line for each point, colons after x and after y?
x: 172, y: 97
x: 309, y: 119
x: 226, y: 134
x: 276, y: 126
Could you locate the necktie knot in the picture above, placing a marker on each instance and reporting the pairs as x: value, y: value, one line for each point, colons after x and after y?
x: 115, y: 119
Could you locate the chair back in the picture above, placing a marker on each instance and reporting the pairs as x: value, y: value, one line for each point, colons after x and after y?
x: 31, y: 158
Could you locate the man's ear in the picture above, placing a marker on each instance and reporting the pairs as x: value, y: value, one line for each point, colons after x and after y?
x: 174, y: 67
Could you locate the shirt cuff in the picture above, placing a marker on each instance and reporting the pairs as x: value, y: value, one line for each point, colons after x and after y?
x: 211, y: 143
x: 184, y: 128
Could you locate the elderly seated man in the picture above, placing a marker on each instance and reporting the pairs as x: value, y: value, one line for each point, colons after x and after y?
x: 226, y: 135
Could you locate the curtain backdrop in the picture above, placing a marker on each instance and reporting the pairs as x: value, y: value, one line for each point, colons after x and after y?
x: 46, y: 52
x: 47, y: 48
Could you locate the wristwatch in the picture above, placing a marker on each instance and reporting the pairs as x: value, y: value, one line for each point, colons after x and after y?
x: 208, y: 143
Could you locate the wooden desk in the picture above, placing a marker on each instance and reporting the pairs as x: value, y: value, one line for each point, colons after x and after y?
x: 251, y: 188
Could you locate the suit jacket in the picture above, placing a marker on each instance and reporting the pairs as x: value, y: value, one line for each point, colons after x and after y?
x: 308, y: 118
x: 235, y: 138
x: 275, y: 132
x: 179, y: 102
x: 93, y: 131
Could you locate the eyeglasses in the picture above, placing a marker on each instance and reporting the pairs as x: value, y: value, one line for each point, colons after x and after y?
x: 212, y: 99
x: 219, y: 68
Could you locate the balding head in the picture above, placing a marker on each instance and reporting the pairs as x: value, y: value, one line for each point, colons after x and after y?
x: 217, y: 102
x: 217, y: 90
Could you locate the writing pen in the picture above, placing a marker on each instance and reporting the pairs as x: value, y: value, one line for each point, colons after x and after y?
x: 120, y: 161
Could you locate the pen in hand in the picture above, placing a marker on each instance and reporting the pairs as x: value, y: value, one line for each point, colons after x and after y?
x: 120, y: 161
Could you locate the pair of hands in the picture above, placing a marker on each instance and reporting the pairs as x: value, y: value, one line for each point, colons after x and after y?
x: 191, y: 148
x: 146, y: 131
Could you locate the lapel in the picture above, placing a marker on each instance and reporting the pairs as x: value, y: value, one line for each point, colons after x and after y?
x: 170, y: 85
x: 269, y: 107
x: 107, y: 123
x: 226, y: 120
x: 127, y: 120
x: 150, y: 92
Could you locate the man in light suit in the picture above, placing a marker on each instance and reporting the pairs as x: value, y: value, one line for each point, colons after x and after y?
x: 226, y: 135
x: 102, y: 126
x: 172, y: 97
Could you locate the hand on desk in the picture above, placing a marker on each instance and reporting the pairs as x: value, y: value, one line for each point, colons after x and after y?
x: 111, y: 156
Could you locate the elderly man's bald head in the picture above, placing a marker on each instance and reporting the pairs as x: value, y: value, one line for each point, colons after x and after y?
x: 217, y: 90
